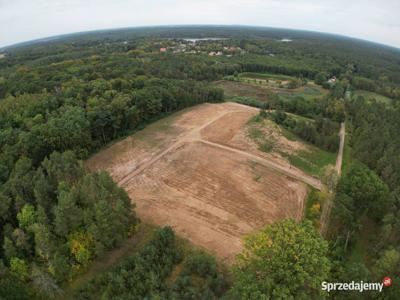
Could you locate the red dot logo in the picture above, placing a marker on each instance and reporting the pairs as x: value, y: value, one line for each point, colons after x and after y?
x: 387, y: 281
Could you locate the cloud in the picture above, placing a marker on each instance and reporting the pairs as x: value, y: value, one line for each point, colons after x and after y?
x: 22, y: 20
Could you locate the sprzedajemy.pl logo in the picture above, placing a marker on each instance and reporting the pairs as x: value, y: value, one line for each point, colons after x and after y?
x: 360, y: 286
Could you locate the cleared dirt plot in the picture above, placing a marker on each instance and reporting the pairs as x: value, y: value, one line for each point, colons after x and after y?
x: 197, y: 172
x: 265, y: 142
x: 224, y: 129
x: 125, y: 156
x: 213, y: 198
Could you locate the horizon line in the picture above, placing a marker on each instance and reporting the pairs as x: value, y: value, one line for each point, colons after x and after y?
x: 43, y: 39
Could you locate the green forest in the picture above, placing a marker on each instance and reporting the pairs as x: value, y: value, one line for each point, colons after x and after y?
x: 64, y: 99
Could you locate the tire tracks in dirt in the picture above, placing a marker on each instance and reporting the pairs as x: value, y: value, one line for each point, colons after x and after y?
x: 195, y: 136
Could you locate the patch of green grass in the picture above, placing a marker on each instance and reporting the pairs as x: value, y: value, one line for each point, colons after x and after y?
x: 255, y: 133
x: 347, y: 157
x: 266, y: 146
x: 293, y: 94
x: 250, y: 88
x: 313, y: 162
x: 300, y: 118
x: 369, y: 96
x: 289, y: 135
x: 265, y: 76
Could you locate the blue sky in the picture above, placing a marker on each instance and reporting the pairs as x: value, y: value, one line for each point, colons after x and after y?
x: 22, y: 20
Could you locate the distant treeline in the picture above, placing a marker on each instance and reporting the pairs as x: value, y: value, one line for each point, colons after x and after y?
x: 48, y: 64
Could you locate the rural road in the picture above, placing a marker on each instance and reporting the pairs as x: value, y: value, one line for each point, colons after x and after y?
x: 326, y: 212
x: 195, y: 136
x: 339, y: 159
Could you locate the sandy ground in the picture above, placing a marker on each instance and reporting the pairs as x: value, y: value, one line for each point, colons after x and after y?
x: 186, y: 171
x: 231, y: 130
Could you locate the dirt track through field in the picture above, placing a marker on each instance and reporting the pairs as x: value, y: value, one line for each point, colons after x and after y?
x: 192, y: 136
x: 270, y: 164
x: 187, y: 171
x: 195, y: 135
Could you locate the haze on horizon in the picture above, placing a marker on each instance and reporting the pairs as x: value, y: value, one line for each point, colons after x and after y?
x: 23, y: 20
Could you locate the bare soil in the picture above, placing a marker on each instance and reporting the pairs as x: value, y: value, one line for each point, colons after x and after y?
x: 192, y: 171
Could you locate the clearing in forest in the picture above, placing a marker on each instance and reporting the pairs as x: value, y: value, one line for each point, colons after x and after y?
x: 200, y: 172
x: 370, y: 96
x: 263, y: 86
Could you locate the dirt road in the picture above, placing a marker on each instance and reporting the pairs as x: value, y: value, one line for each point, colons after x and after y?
x: 292, y: 173
x: 195, y: 136
x: 326, y: 212
x: 190, y: 137
x: 339, y: 159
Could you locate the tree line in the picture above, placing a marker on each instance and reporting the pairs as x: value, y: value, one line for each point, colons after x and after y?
x: 320, y: 132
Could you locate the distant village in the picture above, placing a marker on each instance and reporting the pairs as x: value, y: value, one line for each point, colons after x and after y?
x: 211, y: 47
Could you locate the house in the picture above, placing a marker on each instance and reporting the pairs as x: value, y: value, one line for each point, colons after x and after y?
x: 332, y: 80
x: 215, y: 53
x: 163, y: 50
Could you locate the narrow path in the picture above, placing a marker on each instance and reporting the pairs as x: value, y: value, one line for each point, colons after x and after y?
x: 326, y: 212
x: 339, y: 159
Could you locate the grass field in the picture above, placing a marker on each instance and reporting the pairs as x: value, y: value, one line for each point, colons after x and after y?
x: 371, y: 95
x: 264, y: 76
x: 257, y: 87
x: 347, y: 157
x: 309, y: 92
x: 313, y: 161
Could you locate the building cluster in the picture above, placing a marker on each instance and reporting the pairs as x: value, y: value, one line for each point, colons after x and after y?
x: 211, y: 47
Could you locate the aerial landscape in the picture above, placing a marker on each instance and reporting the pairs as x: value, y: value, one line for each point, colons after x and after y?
x: 198, y: 162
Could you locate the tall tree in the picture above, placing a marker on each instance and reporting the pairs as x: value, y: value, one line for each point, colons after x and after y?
x: 286, y: 260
